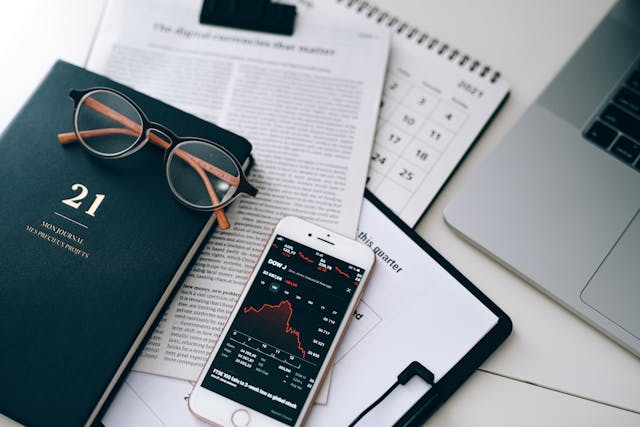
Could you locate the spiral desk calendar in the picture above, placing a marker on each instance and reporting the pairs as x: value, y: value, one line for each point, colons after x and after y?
x: 436, y: 102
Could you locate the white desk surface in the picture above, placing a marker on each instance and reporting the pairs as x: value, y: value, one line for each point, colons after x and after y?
x: 528, y: 42
x: 554, y: 369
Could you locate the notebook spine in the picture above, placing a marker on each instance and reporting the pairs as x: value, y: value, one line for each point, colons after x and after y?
x: 421, y: 38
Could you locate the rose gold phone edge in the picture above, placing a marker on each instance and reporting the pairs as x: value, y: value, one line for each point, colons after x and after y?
x: 332, y: 351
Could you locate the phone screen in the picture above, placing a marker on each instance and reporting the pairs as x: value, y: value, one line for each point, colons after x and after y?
x: 271, y: 356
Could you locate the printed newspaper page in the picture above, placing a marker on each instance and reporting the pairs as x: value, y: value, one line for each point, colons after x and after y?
x: 307, y: 103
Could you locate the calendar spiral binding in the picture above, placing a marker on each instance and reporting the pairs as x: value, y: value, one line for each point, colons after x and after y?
x: 422, y: 38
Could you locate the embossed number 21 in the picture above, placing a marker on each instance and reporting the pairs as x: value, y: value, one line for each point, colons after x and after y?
x: 75, y: 201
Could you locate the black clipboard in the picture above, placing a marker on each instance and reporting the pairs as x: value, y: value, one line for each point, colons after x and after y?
x: 438, y: 394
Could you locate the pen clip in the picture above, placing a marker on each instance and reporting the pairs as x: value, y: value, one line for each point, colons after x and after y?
x: 416, y: 368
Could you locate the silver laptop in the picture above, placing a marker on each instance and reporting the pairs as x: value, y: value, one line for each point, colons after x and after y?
x: 559, y: 200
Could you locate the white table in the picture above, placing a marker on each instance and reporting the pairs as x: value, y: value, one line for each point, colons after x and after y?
x: 569, y: 374
x: 554, y: 369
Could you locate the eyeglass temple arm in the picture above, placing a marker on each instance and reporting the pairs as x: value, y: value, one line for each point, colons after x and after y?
x: 69, y: 137
x: 223, y: 221
x: 135, y: 129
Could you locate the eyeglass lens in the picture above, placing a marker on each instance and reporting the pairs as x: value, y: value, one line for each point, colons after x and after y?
x: 200, y: 174
x: 103, y: 132
x: 211, y: 183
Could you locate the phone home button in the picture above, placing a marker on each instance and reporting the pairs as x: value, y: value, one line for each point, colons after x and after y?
x: 240, y: 418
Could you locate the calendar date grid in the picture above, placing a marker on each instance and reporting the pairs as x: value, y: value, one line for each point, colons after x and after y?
x: 416, y: 126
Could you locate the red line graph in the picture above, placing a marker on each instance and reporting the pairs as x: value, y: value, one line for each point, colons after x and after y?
x: 284, y: 304
x: 306, y: 258
x: 342, y: 272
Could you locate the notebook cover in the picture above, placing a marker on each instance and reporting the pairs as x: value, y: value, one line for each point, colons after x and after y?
x: 73, y: 300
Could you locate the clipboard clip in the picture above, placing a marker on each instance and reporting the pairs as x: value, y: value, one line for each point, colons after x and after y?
x: 256, y: 15
x: 413, y: 369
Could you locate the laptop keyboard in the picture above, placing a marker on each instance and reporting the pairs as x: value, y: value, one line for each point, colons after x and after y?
x: 617, y: 128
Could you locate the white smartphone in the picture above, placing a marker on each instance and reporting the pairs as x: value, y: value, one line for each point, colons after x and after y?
x: 279, y: 340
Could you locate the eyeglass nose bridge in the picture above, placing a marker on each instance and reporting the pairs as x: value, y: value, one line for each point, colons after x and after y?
x: 168, y: 139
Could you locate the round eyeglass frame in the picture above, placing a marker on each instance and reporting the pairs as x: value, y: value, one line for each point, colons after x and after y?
x: 146, y: 126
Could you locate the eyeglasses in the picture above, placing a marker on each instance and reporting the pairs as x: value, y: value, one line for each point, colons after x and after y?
x: 202, y: 174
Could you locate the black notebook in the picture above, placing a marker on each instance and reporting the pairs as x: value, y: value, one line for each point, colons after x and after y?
x: 79, y: 292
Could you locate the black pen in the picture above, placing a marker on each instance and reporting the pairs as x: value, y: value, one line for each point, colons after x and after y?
x: 421, y: 410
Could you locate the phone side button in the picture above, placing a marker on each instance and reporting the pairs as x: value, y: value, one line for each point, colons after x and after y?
x: 240, y: 418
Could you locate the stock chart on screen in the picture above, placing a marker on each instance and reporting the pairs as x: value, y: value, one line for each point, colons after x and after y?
x: 281, y: 335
